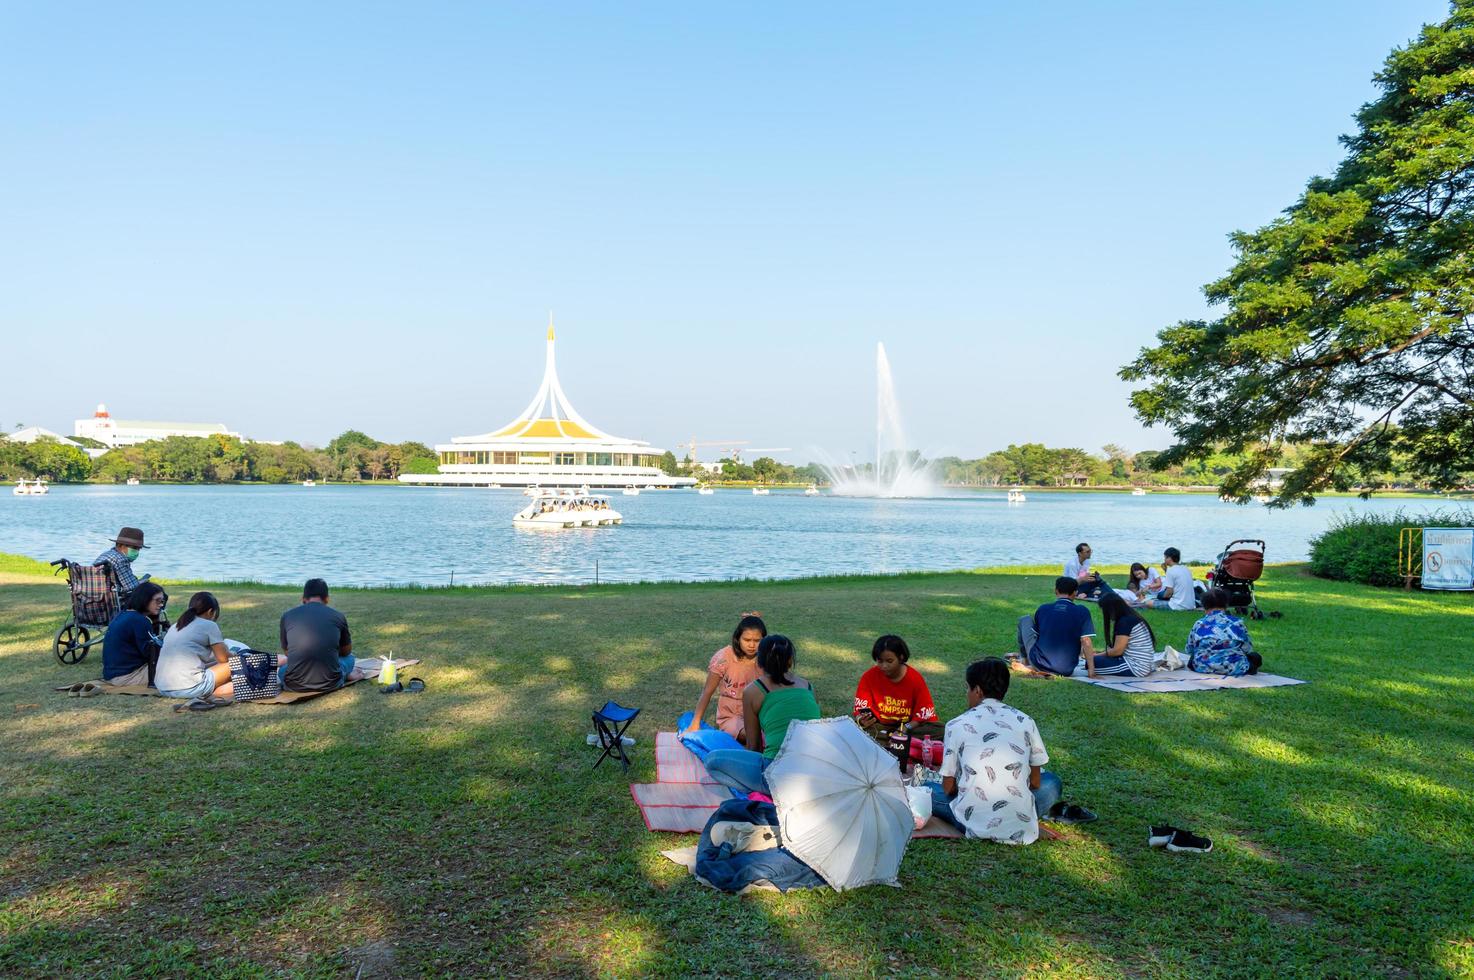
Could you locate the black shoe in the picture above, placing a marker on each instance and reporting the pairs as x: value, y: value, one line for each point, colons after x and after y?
x: 1184, y: 840
x: 1158, y: 834
x: 1063, y: 812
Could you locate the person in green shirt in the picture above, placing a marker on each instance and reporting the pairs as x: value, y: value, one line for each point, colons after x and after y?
x: 778, y: 696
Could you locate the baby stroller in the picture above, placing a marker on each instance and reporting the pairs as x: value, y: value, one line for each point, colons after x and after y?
x: 1239, y: 567
x: 96, y: 601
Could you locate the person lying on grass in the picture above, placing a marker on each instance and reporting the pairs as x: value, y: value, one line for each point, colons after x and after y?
x: 130, y: 648
x: 1219, y: 643
x: 993, y: 782
x: 893, y: 693
x: 1131, y: 646
x: 768, y: 705
x: 730, y: 670
x: 315, y: 639
x: 1053, y: 640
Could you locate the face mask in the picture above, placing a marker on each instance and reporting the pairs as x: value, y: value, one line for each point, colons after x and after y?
x: 130, y: 553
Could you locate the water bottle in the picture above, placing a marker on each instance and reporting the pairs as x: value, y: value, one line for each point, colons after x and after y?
x: 900, y: 747
x: 926, y: 751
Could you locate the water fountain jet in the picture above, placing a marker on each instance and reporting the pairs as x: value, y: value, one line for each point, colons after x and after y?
x: 898, y: 471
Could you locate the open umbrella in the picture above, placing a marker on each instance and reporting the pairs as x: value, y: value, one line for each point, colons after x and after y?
x: 841, y: 807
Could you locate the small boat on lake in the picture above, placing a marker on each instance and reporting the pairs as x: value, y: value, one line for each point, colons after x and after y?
x: 1139, y: 492
x: 631, y: 491
x: 1016, y: 496
x: 309, y: 483
x: 132, y: 481
x: 565, y: 510
x: 812, y: 490
x: 705, y: 491
x: 759, y: 491
x: 35, y: 488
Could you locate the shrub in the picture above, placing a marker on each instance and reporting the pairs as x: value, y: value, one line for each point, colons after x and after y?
x: 1363, y: 547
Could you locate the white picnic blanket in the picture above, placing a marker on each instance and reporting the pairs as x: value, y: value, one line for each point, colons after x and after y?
x: 1176, y: 681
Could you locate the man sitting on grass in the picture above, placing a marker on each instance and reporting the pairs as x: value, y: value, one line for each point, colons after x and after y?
x: 993, y: 782
x: 1088, y: 582
x: 315, y: 638
x: 1180, y: 593
x: 1054, y: 639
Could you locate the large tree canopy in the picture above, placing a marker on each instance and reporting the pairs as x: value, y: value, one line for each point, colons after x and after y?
x: 1348, y: 323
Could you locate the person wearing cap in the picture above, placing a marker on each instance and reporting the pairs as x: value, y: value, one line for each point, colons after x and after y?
x: 121, y: 555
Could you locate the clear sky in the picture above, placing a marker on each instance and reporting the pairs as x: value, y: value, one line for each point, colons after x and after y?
x: 297, y: 218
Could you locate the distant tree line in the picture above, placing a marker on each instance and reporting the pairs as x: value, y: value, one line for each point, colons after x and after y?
x: 764, y: 469
x: 352, y: 456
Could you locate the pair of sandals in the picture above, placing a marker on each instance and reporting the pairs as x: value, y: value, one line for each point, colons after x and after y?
x: 202, y: 704
x: 412, y: 686
x: 86, y: 689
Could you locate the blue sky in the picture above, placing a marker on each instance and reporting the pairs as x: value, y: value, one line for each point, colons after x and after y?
x: 297, y: 218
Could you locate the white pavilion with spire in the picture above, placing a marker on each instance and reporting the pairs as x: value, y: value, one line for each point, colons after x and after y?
x: 548, y: 445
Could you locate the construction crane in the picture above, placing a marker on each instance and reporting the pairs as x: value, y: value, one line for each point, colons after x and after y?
x: 693, y: 445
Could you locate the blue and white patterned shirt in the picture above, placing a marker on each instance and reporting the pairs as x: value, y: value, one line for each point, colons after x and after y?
x: 1219, y: 644
x: 122, y: 568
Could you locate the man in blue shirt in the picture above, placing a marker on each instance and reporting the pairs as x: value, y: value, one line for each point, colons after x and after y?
x: 1058, y: 634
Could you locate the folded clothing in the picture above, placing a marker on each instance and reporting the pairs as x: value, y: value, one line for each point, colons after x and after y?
x: 735, y: 851
x: 705, y: 740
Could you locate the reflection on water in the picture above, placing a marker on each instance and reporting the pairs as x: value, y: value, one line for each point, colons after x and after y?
x: 383, y: 535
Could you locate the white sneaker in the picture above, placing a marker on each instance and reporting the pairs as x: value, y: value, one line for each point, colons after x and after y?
x: 592, y: 738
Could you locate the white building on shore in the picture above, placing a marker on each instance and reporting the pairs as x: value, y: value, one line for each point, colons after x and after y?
x: 115, y: 433
x: 548, y: 445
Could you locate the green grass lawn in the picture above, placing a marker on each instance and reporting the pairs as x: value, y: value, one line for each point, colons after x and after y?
x: 462, y: 831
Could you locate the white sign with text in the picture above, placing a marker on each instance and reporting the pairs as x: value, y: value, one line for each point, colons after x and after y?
x: 1448, y: 558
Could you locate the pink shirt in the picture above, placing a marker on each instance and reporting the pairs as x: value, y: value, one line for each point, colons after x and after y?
x: 736, y: 674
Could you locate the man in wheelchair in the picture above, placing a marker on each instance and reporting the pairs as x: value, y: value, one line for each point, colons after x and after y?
x: 121, y: 556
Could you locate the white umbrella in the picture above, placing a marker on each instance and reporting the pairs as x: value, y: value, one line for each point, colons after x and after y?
x: 842, y: 809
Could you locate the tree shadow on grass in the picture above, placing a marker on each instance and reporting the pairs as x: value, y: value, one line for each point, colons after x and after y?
x: 463, y: 832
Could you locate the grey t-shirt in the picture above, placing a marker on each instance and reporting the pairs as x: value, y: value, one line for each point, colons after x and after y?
x: 186, y: 653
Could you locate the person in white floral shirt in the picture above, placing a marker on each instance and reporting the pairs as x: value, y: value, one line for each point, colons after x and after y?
x: 993, y: 782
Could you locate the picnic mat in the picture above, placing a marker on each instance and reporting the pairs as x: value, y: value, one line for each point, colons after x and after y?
x: 1176, y: 681
x: 369, y: 665
x: 684, y: 796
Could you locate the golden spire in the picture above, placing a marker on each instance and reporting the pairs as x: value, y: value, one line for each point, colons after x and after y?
x: 550, y: 324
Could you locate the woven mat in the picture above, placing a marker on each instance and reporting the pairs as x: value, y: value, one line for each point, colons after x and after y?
x: 685, y: 796
x: 370, y: 667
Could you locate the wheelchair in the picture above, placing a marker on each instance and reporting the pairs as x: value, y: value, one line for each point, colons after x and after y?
x: 96, y: 602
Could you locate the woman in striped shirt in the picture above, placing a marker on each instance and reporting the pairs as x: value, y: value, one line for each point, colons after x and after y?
x: 1131, y: 646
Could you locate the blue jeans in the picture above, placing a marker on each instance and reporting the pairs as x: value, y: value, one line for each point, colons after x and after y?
x: 345, y: 664
x: 1045, y: 797
x: 739, y: 769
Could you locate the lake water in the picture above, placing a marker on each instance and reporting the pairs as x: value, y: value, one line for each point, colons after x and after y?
x: 380, y: 535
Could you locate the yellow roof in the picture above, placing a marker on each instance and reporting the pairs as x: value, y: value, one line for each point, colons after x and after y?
x: 545, y: 428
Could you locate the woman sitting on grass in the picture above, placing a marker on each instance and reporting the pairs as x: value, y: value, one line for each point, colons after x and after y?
x: 1131, y: 646
x: 768, y: 705
x: 893, y: 693
x: 194, y: 662
x: 1143, y: 584
x: 131, y: 645
x: 731, y: 669
x: 1219, y: 643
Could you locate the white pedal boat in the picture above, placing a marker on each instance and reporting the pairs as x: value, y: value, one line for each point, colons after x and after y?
x: 565, y: 510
